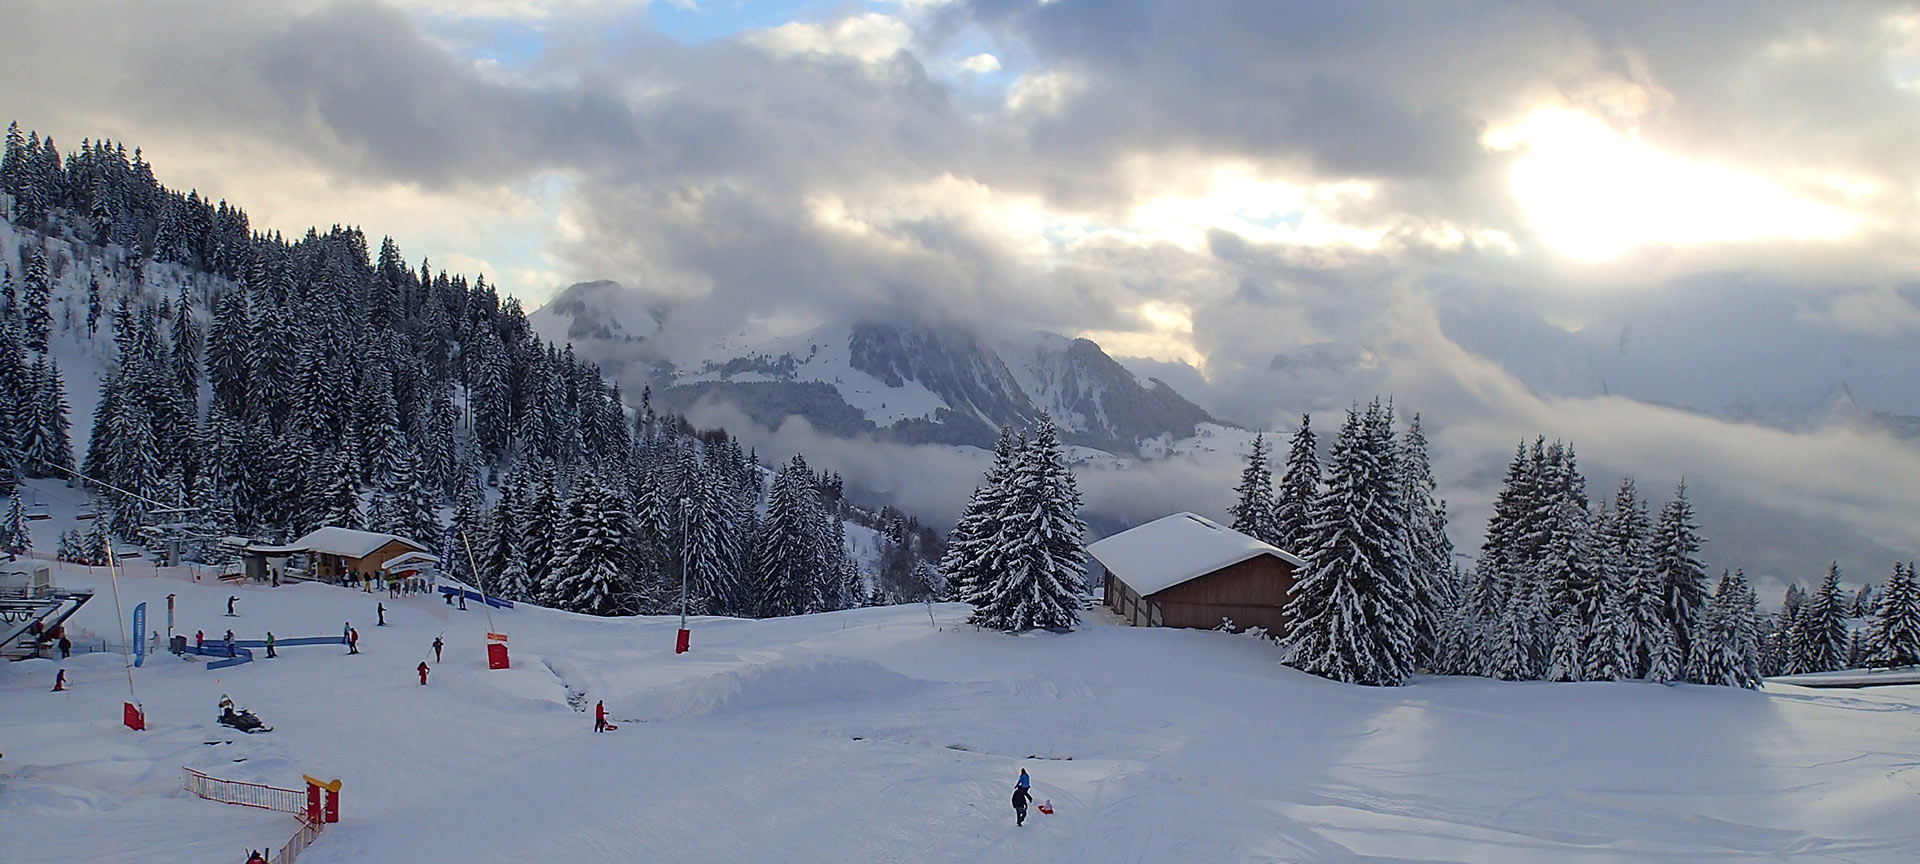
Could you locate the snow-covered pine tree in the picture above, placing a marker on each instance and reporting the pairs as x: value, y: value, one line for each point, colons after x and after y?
x: 1351, y: 610
x: 970, y: 544
x: 1430, y: 551
x: 34, y: 298
x: 337, y: 497
x: 15, y: 537
x: 1252, y: 510
x: 1626, y: 566
x: 542, y: 524
x: 1299, y: 488
x: 712, y: 547
x: 1862, y: 605
x: 787, y: 559
x: 1040, y: 561
x: 1727, y: 652
x: 1826, y: 632
x: 592, y: 575
x: 1676, y: 540
x: 1893, y: 636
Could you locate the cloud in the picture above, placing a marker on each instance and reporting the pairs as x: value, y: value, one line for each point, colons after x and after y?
x: 1298, y: 199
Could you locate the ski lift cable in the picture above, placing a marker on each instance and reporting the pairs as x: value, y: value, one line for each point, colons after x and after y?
x: 158, y: 506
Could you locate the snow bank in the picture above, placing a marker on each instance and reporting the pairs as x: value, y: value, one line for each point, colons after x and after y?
x: 784, y: 683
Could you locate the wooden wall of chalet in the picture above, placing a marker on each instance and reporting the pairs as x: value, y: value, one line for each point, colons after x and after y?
x: 1253, y: 593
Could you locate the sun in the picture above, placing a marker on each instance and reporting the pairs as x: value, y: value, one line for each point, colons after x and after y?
x: 1592, y: 192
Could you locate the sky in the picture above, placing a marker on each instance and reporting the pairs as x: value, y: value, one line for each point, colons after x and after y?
x: 1679, y: 235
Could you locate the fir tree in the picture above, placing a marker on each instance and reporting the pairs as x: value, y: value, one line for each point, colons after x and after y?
x: 973, y: 538
x: 1825, y: 639
x: 787, y: 555
x: 1893, y: 636
x: 1683, y: 581
x: 1253, y: 511
x: 1299, y: 487
x: 1352, y: 613
x: 592, y: 574
x: 35, y: 299
x: 1430, y: 551
x: 15, y: 538
x: 1040, y: 560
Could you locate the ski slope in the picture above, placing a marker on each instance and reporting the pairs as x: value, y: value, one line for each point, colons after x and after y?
x: 873, y: 735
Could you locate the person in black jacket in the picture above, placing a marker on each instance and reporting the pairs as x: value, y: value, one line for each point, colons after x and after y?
x: 1020, y: 798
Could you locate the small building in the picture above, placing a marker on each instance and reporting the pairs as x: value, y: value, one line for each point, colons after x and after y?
x: 336, y: 554
x: 1185, y: 570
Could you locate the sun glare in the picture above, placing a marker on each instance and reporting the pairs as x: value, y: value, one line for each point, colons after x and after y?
x: 1592, y: 192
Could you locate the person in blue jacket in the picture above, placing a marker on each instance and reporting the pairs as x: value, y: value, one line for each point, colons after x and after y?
x: 1024, y: 782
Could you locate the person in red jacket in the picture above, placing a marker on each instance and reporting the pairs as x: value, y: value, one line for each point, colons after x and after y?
x: 423, y: 672
x: 59, y: 680
x: 600, y: 716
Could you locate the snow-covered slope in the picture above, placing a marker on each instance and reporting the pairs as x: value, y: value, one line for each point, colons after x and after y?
x: 875, y: 735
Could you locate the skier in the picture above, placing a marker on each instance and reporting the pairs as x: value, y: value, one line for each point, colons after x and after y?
x: 255, y: 858
x: 463, y: 599
x: 270, y: 644
x: 59, y: 680
x: 600, y: 716
x: 449, y: 596
x: 346, y: 627
x: 230, y: 601
x: 229, y: 635
x: 423, y: 673
x: 353, y: 641
x: 437, y: 645
x: 66, y: 647
x: 382, y: 610
x: 1020, y: 798
x: 199, y: 639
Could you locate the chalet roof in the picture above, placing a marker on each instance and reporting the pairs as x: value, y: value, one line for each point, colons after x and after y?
x: 1179, y: 548
x: 344, y: 542
x: 411, y: 558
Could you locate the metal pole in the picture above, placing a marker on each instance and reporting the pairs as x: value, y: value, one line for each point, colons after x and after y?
x: 686, y: 508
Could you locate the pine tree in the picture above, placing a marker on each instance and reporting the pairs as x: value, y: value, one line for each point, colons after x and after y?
x: 1893, y: 636
x: 1299, y: 488
x: 592, y: 575
x: 1826, y: 635
x: 787, y: 554
x: 1352, y: 614
x: 15, y: 538
x: 337, y: 501
x: 1040, y: 560
x: 35, y: 299
x: 1253, y: 511
x: 1683, y: 580
x: 1430, y: 551
x: 966, y: 562
x: 712, y: 547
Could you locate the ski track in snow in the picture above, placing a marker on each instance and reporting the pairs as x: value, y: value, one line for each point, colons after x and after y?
x: 869, y: 735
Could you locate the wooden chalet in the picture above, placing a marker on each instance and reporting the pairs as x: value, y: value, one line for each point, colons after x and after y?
x: 1185, y: 570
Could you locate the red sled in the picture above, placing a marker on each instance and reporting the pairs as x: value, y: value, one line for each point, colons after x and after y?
x: 611, y: 727
x: 1047, y: 807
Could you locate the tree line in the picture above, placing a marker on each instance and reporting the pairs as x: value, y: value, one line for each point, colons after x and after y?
x: 263, y: 387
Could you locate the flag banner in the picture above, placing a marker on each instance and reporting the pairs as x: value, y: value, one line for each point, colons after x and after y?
x: 139, y: 627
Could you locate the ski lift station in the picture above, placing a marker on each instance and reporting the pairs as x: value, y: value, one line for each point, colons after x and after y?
x: 32, y: 608
x: 1185, y: 570
x: 334, y: 554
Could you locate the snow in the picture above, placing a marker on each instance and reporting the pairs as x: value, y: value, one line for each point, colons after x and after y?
x: 1173, y: 549
x: 821, y: 354
x: 873, y: 735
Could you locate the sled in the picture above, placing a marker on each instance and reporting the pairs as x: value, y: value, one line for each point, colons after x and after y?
x: 611, y: 727
x: 1047, y: 807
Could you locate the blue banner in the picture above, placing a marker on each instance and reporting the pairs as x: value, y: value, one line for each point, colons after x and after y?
x: 139, y: 627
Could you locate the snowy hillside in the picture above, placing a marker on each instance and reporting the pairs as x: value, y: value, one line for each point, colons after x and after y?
x: 873, y: 735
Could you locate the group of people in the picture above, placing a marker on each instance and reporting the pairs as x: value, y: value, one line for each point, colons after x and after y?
x: 395, y: 588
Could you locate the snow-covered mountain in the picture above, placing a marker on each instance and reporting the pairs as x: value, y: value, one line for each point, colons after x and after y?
x: 910, y: 382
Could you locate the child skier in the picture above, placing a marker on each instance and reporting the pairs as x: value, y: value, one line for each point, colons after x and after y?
x: 270, y: 644
x: 423, y: 673
x: 59, y: 680
x: 353, y: 641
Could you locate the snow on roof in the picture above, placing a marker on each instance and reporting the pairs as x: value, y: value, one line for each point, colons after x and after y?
x: 406, y: 558
x: 1173, y: 549
x: 344, y: 542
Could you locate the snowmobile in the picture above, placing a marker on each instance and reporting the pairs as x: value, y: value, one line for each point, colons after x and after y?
x: 242, y: 719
